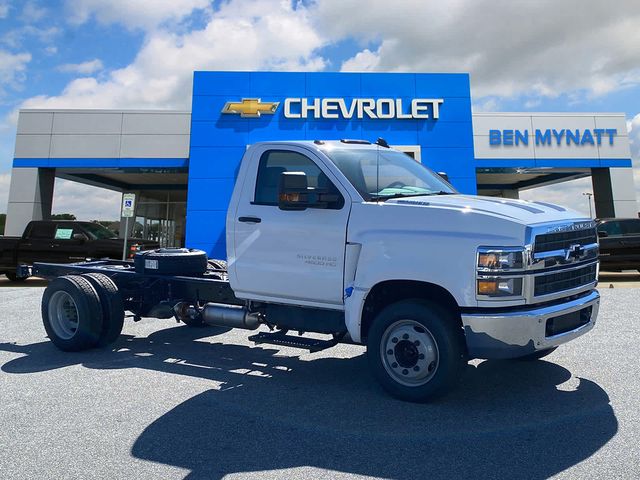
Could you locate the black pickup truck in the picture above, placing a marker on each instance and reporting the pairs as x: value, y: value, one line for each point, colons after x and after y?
x: 62, y: 242
x: 619, y: 240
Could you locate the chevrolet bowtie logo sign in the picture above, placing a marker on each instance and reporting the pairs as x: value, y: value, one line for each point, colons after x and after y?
x: 250, y: 107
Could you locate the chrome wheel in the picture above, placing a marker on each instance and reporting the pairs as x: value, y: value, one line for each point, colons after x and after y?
x: 63, y: 315
x: 409, y: 353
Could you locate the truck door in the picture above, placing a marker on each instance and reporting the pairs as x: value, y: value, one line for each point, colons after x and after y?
x: 36, y: 245
x: 289, y: 255
x: 631, y: 242
x: 67, y: 249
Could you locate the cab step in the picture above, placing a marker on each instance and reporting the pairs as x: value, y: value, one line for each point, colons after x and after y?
x: 311, y: 344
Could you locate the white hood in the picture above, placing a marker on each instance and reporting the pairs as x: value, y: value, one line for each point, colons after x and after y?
x: 519, y: 211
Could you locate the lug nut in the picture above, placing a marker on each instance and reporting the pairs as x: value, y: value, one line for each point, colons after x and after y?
x: 421, y: 356
x: 405, y: 371
x: 417, y: 343
x: 394, y: 340
x: 416, y: 368
x: 389, y: 352
x: 394, y: 365
x: 405, y: 336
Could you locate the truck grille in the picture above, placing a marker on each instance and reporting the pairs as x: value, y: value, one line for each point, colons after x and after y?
x: 549, y: 242
x: 564, y: 280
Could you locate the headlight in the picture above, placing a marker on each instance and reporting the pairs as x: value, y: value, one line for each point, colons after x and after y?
x: 492, y: 259
x: 500, y: 287
x: 493, y: 265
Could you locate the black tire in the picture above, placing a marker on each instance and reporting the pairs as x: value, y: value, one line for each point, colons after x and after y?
x: 13, y: 277
x: 72, y: 296
x: 537, y: 355
x: 112, y: 307
x: 171, y: 261
x: 421, y: 325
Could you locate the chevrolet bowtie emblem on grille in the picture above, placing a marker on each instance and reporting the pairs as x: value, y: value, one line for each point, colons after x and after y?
x: 574, y: 251
x: 250, y: 107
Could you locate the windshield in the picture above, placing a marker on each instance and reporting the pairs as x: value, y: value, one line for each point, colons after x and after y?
x: 98, y: 232
x: 386, y: 173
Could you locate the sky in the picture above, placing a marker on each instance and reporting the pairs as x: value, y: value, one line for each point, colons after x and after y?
x: 522, y: 55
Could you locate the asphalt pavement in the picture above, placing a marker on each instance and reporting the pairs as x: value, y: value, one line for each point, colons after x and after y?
x: 168, y: 401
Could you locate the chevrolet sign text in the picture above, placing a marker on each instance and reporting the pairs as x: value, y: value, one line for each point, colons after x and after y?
x: 383, y: 108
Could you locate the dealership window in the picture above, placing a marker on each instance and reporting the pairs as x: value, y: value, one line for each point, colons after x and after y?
x: 161, y: 217
x: 414, y: 151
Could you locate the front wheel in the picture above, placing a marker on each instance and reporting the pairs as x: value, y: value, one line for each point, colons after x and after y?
x: 416, y: 350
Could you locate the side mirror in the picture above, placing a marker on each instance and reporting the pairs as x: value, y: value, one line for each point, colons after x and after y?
x: 443, y: 175
x: 602, y: 234
x: 293, y: 191
x: 80, y: 237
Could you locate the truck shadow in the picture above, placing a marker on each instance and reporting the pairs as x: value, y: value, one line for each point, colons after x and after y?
x: 272, y: 411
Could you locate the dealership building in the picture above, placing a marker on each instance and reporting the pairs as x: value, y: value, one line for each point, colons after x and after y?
x: 182, y: 165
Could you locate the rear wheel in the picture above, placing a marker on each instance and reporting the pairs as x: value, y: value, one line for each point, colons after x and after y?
x: 112, y: 307
x: 416, y: 350
x: 71, y: 313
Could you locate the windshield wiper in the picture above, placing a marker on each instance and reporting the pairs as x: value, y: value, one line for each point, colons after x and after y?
x: 375, y: 198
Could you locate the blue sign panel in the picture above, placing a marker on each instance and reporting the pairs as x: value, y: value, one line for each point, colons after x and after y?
x: 234, y: 109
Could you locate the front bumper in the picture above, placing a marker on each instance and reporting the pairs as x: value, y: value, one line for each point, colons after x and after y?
x: 515, y: 333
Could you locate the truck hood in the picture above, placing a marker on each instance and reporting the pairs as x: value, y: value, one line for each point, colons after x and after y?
x: 519, y: 211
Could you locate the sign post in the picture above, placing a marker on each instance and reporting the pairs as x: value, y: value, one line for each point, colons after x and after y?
x: 128, y: 211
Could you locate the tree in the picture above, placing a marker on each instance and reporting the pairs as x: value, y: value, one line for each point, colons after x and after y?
x: 3, y: 219
x: 63, y: 216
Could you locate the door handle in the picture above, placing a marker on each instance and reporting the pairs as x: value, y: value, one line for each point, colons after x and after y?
x: 249, y: 219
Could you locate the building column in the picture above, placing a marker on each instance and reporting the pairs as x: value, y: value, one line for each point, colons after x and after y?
x: 30, y: 198
x: 614, y: 192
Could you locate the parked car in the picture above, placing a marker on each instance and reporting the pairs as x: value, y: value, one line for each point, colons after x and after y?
x: 61, y: 241
x: 360, y: 242
x: 619, y: 243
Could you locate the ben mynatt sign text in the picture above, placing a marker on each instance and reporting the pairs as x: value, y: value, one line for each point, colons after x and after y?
x: 551, y: 136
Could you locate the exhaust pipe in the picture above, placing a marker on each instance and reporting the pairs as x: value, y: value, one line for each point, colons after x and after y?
x: 233, y: 316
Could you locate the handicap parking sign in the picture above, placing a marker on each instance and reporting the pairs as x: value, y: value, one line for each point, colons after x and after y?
x: 128, y: 205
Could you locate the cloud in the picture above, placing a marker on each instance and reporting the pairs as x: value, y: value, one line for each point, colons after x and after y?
x: 242, y: 35
x: 16, y: 38
x: 4, y: 9
x: 32, y: 12
x: 144, y: 14
x: 85, y: 202
x: 84, y: 68
x: 510, y: 48
x: 13, y: 68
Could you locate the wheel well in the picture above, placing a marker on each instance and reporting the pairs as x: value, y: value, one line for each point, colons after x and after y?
x: 391, y: 291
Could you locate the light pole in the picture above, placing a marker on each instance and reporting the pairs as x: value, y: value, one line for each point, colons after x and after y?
x: 589, y: 194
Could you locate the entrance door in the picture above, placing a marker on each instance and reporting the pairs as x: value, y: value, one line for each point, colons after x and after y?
x: 290, y: 254
x: 160, y: 216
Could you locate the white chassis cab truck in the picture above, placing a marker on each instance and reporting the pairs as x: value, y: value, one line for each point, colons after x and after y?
x: 361, y: 243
